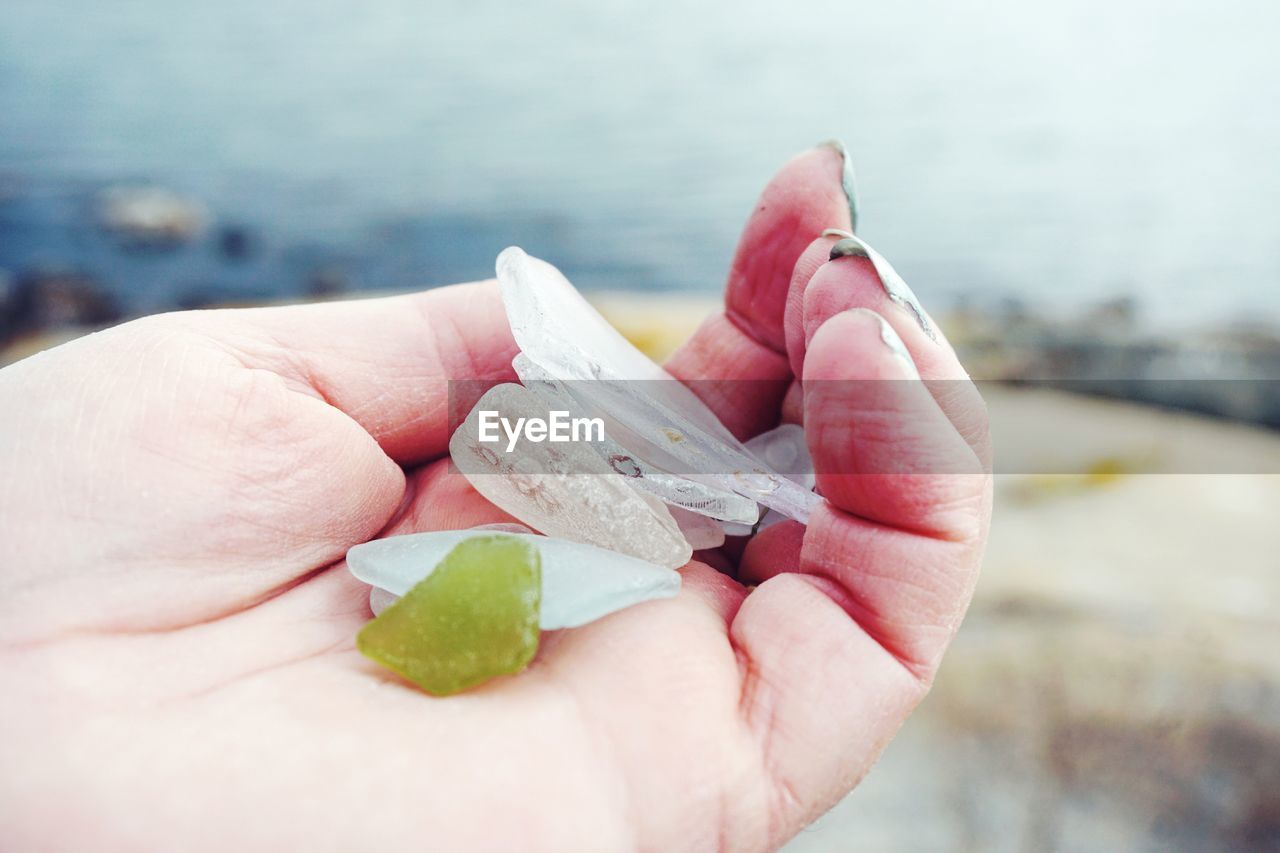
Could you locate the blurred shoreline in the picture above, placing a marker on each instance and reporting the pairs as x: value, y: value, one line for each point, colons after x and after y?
x: 1230, y: 371
x: 176, y: 253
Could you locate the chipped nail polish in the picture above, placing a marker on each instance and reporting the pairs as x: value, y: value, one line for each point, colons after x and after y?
x: 894, y: 287
x: 847, y: 181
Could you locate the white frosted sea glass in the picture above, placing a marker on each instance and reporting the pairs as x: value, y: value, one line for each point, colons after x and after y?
x: 380, y: 599
x: 580, y: 582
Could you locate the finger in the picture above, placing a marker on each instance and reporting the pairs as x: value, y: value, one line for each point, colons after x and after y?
x: 839, y: 653
x: 852, y: 282
x: 793, y: 404
x: 740, y: 379
x: 882, y: 447
x: 803, y: 199
x: 771, y: 552
x: 438, y: 497
x: 819, y: 695
x: 737, y: 360
x: 249, y: 485
x: 814, y: 257
x: 386, y: 363
x: 908, y: 502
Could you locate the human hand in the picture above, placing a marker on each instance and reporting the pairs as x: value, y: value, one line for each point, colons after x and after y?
x: 177, y: 626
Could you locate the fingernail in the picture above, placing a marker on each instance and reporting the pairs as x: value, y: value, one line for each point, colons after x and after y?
x: 894, y: 343
x: 894, y: 287
x: 847, y: 181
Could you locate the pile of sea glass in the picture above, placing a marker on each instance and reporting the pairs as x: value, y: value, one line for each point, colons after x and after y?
x: 456, y: 608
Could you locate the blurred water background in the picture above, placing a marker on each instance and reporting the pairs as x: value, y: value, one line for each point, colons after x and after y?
x: 1105, y: 167
x: 1059, y: 153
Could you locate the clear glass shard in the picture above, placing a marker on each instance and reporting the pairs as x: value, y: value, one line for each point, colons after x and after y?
x: 677, y: 491
x: 647, y: 410
x: 700, y: 531
x: 580, y: 583
x: 563, y: 489
x: 784, y: 449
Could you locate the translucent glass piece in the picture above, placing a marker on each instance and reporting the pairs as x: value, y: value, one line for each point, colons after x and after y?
x: 652, y: 415
x: 563, y: 489
x: 784, y: 449
x: 694, y: 496
x: 580, y: 583
x: 701, y: 532
x: 474, y: 617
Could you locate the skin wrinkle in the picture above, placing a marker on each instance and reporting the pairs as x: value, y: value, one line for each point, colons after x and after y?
x: 858, y: 603
x: 856, y: 284
x: 342, y: 645
x: 270, y: 482
x: 461, y: 359
x: 752, y: 704
x: 842, y: 596
x: 246, y: 605
x: 251, y: 355
x: 743, y: 325
x: 873, y: 427
x: 896, y: 576
x: 319, y: 547
x: 777, y: 241
x: 830, y: 593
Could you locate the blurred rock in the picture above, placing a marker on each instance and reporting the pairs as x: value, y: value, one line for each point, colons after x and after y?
x: 327, y: 282
x: 1119, y: 314
x: 197, y: 299
x: 8, y: 303
x: 53, y: 299
x: 150, y: 216
x: 1103, y: 353
x: 236, y: 242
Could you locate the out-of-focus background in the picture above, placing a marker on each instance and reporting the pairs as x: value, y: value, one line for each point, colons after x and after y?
x: 1085, y: 193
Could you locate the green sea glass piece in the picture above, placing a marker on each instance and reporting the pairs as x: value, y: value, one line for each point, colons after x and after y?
x: 473, y: 618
